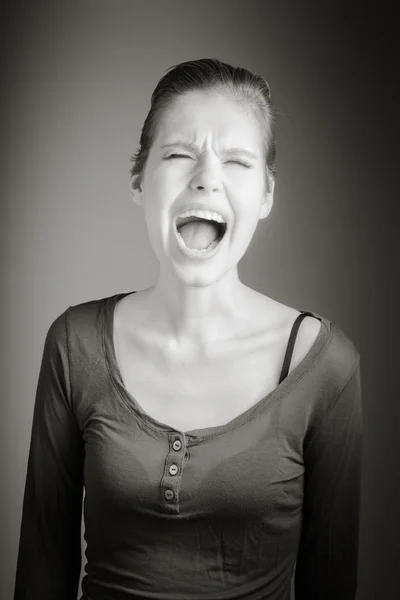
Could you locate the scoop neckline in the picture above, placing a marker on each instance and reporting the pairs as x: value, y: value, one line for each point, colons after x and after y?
x: 245, y: 416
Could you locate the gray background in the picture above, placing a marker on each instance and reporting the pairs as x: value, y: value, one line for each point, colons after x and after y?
x: 76, y: 84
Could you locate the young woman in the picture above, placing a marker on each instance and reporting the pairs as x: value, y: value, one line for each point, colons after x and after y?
x: 216, y: 431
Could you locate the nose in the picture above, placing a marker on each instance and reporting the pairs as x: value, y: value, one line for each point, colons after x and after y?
x: 206, y: 178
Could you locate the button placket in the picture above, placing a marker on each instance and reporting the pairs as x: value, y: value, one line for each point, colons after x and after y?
x: 173, y: 470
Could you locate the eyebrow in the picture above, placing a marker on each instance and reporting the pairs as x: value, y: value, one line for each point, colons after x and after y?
x: 193, y: 148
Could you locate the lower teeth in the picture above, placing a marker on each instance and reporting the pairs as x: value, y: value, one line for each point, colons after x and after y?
x: 213, y: 245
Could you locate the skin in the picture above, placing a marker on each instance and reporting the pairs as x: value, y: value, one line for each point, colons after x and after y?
x: 195, y: 303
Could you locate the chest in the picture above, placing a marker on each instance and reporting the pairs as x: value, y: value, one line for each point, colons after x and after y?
x: 190, y: 393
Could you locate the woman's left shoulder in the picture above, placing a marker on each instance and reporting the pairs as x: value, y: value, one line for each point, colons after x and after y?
x: 287, y: 319
x: 339, y: 352
x: 342, y: 348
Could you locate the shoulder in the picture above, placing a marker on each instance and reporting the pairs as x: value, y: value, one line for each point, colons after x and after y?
x: 308, y: 330
x: 80, y: 319
x: 337, y: 355
x: 341, y: 352
x: 87, y: 311
x: 334, y: 362
x: 280, y: 319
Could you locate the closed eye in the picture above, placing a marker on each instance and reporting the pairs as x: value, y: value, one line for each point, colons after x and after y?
x: 232, y: 161
x: 240, y: 162
x: 176, y: 156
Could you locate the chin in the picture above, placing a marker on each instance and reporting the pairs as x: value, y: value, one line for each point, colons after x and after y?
x: 198, y: 278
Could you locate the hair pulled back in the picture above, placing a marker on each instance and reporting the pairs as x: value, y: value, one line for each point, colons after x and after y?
x: 208, y: 74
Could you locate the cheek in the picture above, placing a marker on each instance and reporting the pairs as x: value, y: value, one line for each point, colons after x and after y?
x: 246, y: 196
x: 157, y: 211
x: 171, y: 176
x: 163, y: 190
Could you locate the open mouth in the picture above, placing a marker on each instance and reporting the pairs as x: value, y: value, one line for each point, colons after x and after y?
x: 200, y: 234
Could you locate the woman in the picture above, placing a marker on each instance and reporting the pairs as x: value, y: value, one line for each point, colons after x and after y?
x: 218, y: 441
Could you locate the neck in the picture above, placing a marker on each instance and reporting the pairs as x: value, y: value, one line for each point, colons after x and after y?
x: 195, y: 316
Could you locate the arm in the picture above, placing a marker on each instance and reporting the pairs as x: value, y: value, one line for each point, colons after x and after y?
x: 49, y: 557
x: 326, y: 567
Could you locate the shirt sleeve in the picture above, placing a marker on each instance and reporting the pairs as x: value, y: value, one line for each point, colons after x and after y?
x: 327, y: 562
x: 49, y: 555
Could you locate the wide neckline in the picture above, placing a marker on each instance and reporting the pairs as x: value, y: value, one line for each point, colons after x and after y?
x: 277, y: 393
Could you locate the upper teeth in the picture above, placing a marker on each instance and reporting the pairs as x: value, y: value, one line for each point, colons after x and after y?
x: 203, y: 214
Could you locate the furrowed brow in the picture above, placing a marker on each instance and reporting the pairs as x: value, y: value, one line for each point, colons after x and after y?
x: 241, y: 151
x: 194, y: 148
x: 186, y: 145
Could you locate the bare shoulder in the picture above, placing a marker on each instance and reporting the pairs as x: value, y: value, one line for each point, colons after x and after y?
x: 130, y: 318
x: 280, y: 318
x: 135, y: 324
x: 307, y: 334
x: 131, y: 308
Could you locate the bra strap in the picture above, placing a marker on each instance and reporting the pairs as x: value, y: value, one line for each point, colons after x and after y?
x: 291, y: 342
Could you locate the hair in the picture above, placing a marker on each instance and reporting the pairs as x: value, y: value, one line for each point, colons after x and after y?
x: 208, y: 74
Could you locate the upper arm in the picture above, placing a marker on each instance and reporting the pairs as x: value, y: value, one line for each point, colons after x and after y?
x: 49, y: 555
x: 326, y: 567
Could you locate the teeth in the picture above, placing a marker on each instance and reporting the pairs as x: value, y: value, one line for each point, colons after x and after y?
x: 213, y: 245
x: 203, y: 214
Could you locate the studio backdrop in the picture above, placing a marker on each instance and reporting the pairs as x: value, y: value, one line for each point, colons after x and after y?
x: 76, y: 84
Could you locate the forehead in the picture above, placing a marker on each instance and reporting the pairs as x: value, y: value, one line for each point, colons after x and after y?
x: 198, y: 115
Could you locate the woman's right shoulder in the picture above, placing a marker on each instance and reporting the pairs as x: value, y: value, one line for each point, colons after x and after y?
x: 82, y: 319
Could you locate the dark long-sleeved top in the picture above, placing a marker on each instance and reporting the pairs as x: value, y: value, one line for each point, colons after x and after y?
x: 227, y: 512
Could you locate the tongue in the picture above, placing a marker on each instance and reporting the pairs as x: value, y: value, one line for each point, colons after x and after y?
x: 199, y: 234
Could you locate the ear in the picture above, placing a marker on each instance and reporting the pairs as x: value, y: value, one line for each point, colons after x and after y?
x: 268, y: 199
x: 136, y: 190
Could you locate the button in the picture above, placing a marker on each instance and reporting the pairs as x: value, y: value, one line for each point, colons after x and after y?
x: 173, y: 469
x: 177, y: 445
x: 169, y: 494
